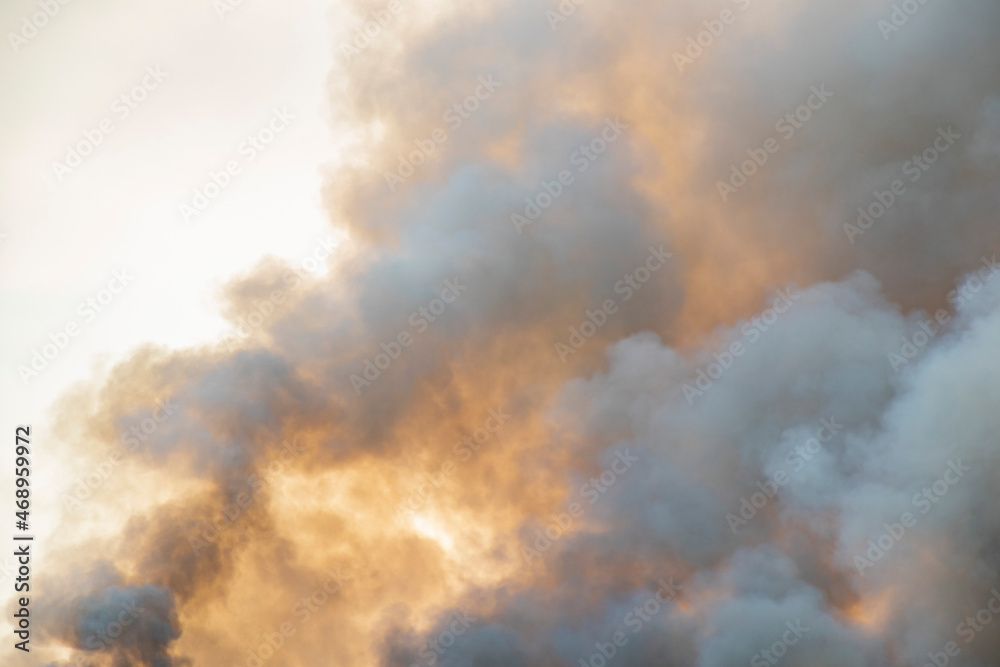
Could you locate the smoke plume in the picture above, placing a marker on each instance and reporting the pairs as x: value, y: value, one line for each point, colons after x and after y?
x: 677, y: 349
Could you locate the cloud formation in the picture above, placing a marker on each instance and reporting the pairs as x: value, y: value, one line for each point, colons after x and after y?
x: 720, y: 471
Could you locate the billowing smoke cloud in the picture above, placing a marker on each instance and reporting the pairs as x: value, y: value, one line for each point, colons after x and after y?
x: 118, y: 625
x: 665, y: 335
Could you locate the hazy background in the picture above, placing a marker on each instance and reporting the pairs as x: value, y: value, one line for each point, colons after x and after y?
x: 578, y: 425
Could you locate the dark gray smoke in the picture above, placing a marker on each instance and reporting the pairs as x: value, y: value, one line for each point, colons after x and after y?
x: 775, y: 447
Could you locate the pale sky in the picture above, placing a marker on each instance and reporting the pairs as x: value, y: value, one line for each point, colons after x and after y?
x: 223, y: 79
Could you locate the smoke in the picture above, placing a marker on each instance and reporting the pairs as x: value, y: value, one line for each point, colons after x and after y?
x: 744, y: 422
x: 118, y: 625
